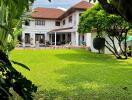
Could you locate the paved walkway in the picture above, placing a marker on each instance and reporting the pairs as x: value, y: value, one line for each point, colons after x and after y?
x: 51, y: 47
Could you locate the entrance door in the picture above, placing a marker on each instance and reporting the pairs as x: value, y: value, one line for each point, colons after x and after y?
x: 82, y: 40
x: 27, y: 38
x: 58, y: 40
x: 69, y: 38
x: 40, y: 38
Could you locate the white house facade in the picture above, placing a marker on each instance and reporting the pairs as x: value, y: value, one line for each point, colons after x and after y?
x: 55, y: 27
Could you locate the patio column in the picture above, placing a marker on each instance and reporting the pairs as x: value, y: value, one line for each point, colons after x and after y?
x: 46, y: 38
x: 32, y: 41
x: 77, y: 38
x: 23, y: 39
x: 55, y: 38
x: 88, y: 38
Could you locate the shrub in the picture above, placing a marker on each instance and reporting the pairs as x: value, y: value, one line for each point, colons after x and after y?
x: 99, y: 43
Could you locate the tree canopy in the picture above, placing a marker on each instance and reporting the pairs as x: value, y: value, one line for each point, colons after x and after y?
x: 118, y: 7
x: 11, y: 12
x: 96, y: 17
x: 92, y: 18
x: 115, y: 27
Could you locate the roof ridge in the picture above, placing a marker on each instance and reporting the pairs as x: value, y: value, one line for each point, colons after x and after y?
x: 56, y: 13
x: 80, y: 2
x: 47, y: 8
x: 74, y: 7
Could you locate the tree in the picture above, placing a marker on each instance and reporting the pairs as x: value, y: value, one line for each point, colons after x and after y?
x: 112, y: 26
x: 10, y: 20
x: 118, y: 7
x: 11, y: 12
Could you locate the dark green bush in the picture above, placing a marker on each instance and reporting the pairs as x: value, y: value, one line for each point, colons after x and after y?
x: 99, y: 43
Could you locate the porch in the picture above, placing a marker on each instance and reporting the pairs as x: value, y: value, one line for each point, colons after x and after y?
x: 59, y: 38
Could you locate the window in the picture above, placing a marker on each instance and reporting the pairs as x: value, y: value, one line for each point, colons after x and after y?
x: 64, y: 22
x: 39, y: 22
x: 70, y: 19
x: 57, y: 23
x: 27, y: 23
x: 40, y: 38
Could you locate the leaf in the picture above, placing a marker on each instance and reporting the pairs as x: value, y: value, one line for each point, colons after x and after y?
x: 22, y: 65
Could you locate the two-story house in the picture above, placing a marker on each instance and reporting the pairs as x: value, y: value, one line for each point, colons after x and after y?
x: 55, y: 26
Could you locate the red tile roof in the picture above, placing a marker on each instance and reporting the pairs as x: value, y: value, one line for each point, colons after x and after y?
x: 47, y: 13
x: 53, y: 13
x: 83, y: 5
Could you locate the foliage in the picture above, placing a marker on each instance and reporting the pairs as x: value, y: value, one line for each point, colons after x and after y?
x: 10, y: 20
x: 11, y: 12
x: 112, y: 26
x: 11, y: 78
x: 118, y: 7
x: 12, y: 42
x: 76, y: 74
x: 92, y: 18
x: 97, y: 18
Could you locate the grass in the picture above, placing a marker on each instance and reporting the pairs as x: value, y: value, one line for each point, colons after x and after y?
x: 76, y: 74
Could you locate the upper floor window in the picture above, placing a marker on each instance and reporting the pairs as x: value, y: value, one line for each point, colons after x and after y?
x: 70, y: 19
x: 64, y: 22
x: 27, y: 23
x: 39, y: 22
x: 57, y: 23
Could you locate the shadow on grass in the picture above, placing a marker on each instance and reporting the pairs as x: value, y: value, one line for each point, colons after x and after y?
x: 81, y: 93
x: 91, y: 84
x: 85, y: 56
x: 89, y: 76
x: 82, y: 56
x: 95, y: 73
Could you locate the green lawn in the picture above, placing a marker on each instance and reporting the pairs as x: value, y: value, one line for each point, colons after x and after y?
x: 76, y: 74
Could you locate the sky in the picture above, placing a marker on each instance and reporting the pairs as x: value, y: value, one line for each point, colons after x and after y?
x: 55, y: 3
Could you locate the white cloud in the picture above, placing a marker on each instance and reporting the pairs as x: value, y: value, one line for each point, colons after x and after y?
x: 64, y: 9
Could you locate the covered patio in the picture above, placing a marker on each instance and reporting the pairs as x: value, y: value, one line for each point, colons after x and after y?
x: 60, y: 36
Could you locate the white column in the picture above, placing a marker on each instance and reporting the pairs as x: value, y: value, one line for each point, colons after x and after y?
x: 80, y: 37
x: 77, y: 34
x: 32, y: 39
x: 88, y: 39
x: 55, y: 38
x: 73, y: 42
x: 46, y: 37
x: 77, y: 38
x: 23, y: 39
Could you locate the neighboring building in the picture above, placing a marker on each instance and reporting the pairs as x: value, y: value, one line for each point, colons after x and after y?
x: 55, y: 26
